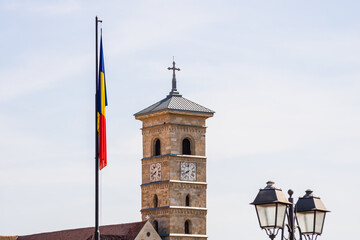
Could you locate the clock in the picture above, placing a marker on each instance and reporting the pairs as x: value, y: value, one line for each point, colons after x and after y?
x: 155, y: 172
x: 188, y: 171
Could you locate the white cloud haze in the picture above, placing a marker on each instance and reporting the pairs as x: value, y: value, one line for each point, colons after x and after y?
x: 283, y: 78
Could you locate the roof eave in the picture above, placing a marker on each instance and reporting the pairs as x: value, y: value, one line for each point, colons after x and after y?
x: 174, y: 111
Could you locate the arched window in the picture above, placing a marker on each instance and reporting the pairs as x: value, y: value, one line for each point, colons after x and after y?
x: 156, y: 201
x: 156, y: 225
x: 187, y: 227
x: 186, y: 146
x: 157, y: 147
x: 187, y: 201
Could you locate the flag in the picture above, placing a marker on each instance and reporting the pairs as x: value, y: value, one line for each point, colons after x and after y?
x: 101, y: 114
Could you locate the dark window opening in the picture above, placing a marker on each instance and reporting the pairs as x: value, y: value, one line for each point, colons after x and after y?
x: 157, y: 147
x: 187, y: 227
x: 187, y: 201
x: 156, y: 201
x: 186, y: 146
x: 156, y: 225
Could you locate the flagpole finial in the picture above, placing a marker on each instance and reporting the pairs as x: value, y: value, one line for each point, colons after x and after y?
x: 173, y: 68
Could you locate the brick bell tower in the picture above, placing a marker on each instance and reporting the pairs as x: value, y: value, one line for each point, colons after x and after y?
x: 173, y: 189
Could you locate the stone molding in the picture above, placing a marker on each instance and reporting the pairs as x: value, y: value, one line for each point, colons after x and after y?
x: 188, y: 182
x: 175, y: 183
x: 181, y: 156
x: 176, y: 210
x: 191, y: 208
x: 173, y: 128
x: 178, y: 124
x: 183, y: 235
x: 177, y: 112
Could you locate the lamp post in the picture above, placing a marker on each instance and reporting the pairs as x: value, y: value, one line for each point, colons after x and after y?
x: 273, y: 208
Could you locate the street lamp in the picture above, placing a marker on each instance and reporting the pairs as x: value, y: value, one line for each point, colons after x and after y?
x: 273, y: 208
x: 310, y: 214
x: 270, y: 205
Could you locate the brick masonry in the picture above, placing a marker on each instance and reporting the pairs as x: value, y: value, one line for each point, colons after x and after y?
x: 171, y: 212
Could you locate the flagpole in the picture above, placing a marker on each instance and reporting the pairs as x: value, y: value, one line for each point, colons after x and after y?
x: 97, y: 232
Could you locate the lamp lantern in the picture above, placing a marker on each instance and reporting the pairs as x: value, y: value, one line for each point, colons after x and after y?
x: 271, y: 205
x: 273, y: 209
x: 310, y: 214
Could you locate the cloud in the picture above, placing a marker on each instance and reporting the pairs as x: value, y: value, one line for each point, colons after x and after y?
x: 39, y: 72
x: 44, y: 8
x: 284, y: 87
x: 273, y: 111
x: 170, y: 27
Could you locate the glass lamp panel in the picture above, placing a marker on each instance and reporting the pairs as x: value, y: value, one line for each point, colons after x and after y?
x: 306, y: 221
x: 319, y: 216
x: 266, y: 214
x: 280, y: 215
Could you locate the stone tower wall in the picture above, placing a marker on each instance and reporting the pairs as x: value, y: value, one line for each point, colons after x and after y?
x: 171, y: 212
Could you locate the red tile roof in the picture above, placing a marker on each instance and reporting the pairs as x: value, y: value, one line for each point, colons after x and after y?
x: 127, y: 231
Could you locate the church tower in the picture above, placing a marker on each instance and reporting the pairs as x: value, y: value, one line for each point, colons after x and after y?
x: 173, y: 189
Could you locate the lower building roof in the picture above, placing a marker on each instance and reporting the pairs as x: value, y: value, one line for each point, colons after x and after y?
x: 127, y: 231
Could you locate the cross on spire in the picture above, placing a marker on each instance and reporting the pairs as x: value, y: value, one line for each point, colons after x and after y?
x: 174, y: 90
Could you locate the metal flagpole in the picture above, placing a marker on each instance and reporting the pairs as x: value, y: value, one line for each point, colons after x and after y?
x: 97, y: 232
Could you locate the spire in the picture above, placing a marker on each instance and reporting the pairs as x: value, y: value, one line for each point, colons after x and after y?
x: 173, y: 90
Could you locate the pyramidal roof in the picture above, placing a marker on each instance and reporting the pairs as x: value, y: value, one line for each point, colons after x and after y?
x: 174, y: 101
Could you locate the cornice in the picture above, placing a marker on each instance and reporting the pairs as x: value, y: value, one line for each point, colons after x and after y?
x: 176, y: 124
x: 177, y: 112
x: 174, y: 155
x: 174, y: 181
x: 188, y: 182
x: 183, y: 235
x: 176, y: 207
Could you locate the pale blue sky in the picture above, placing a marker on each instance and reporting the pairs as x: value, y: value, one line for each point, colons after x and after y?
x: 282, y: 76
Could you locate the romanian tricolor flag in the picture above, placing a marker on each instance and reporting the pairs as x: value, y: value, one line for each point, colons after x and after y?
x: 100, y: 109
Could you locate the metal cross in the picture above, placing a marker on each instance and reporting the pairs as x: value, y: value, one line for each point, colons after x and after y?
x: 173, y: 90
x: 174, y: 68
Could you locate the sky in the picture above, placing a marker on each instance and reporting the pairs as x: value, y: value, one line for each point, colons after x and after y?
x: 282, y: 77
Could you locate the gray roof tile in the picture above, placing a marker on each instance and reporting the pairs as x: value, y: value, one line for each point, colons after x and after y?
x: 174, y: 102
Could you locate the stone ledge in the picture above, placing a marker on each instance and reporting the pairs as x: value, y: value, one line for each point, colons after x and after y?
x: 189, y: 208
x: 174, y: 181
x: 190, y: 156
x: 188, y: 182
x: 178, y: 124
x: 175, y: 207
x: 175, y: 112
x: 175, y: 155
x: 183, y: 235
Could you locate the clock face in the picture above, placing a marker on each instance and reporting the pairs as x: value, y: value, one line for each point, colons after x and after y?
x: 188, y: 171
x: 155, y: 172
